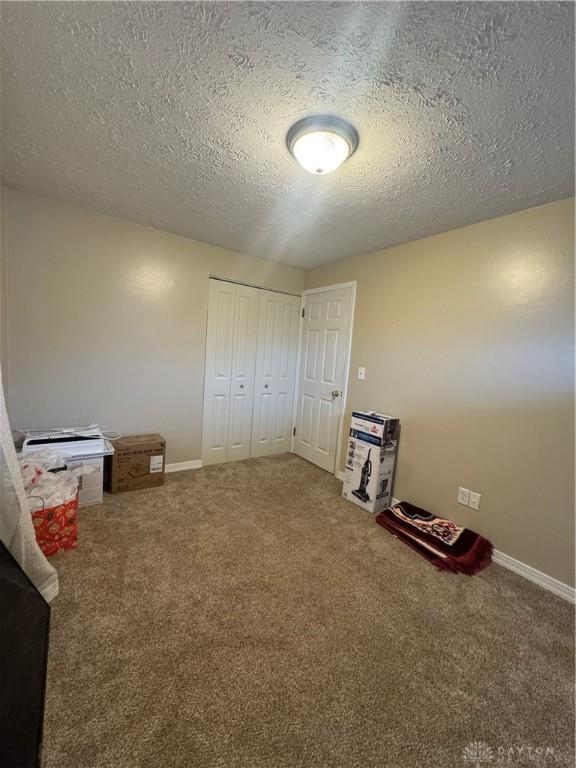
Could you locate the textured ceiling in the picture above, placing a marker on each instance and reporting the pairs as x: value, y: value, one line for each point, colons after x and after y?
x: 174, y: 115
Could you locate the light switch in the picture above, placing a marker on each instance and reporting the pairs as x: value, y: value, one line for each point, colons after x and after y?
x: 463, y: 496
x: 361, y: 373
x: 475, y: 500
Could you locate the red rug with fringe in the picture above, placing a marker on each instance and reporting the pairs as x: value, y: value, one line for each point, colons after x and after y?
x: 446, y: 545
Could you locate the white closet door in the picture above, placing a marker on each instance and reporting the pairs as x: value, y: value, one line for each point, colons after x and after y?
x: 275, y: 373
x: 242, y: 379
x: 229, y: 376
x: 221, y: 306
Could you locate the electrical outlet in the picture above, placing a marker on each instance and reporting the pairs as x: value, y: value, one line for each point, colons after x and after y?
x: 463, y: 496
x: 474, y: 500
x: 361, y: 373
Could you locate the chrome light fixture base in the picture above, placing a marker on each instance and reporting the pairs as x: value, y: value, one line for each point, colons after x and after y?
x: 343, y: 135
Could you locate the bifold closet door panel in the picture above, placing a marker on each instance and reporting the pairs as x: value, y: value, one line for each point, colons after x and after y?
x: 275, y: 373
x: 242, y: 378
x: 219, y: 341
x: 229, y: 378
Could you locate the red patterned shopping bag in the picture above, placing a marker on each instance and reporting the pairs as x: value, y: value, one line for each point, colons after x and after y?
x: 57, y: 527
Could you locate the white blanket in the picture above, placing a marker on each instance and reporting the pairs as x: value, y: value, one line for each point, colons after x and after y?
x: 16, y: 528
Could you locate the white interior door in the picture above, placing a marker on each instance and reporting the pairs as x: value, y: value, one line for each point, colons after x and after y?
x: 326, y: 328
x: 275, y: 373
x: 229, y: 377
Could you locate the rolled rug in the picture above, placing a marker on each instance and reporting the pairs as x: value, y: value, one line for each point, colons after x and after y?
x: 442, y: 542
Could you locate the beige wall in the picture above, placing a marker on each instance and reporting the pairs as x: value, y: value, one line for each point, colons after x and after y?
x: 106, y: 320
x: 468, y: 337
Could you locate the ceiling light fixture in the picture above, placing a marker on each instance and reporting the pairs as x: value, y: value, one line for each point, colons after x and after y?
x: 322, y: 143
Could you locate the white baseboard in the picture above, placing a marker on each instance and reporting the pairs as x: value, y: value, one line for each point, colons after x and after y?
x: 538, y: 577
x: 181, y: 466
x: 532, y: 574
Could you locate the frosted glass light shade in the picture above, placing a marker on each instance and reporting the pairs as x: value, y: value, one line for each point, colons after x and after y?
x: 321, y: 144
x: 321, y: 151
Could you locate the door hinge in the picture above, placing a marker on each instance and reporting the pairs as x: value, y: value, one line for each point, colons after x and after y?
x: 303, y: 311
x: 294, y: 431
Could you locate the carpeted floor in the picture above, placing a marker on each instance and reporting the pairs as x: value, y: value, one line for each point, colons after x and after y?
x: 246, y: 615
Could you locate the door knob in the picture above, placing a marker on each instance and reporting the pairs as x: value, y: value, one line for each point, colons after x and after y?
x: 241, y: 386
x: 265, y: 386
x: 335, y: 393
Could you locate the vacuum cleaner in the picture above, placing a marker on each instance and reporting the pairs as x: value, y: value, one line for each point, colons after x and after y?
x: 360, y: 492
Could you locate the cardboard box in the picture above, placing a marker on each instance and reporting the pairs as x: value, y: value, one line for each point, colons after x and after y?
x: 370, y: 460
x: 374, y: 427
x: 137, y: 463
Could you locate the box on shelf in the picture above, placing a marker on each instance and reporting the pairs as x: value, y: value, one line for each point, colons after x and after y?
x: 78, y: 447
x: 137, y: 463
x: 370, y: 460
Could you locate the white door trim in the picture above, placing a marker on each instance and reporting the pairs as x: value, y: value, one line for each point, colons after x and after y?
x: 182, y: 466
x: 335, y: 286
x: 332, y: 287
x: 251, y: 285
